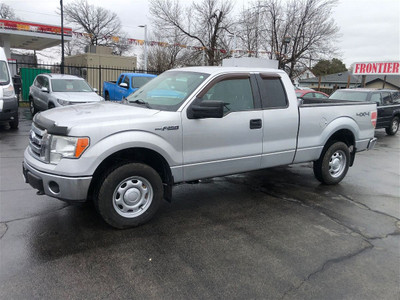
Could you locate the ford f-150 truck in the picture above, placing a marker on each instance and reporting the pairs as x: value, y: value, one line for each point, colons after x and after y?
x: 126, y: 84
x: 185, y: 125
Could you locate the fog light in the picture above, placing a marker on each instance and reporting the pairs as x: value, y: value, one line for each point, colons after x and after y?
x: 53, y: 187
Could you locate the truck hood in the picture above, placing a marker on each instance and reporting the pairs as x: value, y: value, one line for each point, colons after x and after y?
x: 91, y: 115
x: 79, y: 97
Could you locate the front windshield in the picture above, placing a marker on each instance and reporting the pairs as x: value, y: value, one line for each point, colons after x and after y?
x: 70, y: 85
x: 349, y: 95
x: 168, y: 91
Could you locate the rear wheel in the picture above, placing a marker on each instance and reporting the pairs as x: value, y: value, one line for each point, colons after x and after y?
x: 394, y: 126
x: 333, y: 164
x: 129, y: 195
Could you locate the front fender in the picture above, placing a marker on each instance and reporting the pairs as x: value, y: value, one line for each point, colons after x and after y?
x: 170, y: 147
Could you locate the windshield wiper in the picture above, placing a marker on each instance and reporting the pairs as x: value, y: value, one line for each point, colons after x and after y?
x: 141, y: 102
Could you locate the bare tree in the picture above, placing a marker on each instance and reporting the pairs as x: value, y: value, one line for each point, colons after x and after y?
x: 97, y: 25
x: 207, y: 26
x: 298, y: 30
x: 7, y: 12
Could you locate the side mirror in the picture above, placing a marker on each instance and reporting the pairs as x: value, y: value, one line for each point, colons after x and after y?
x: 124, y: 85
x: 44, y: 89
x: 95, y: 90
x: 206, y: 109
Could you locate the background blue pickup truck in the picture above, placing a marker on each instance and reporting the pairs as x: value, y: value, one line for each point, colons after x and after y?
x: 126, y: 84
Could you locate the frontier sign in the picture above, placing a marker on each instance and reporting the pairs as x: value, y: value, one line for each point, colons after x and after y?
x: 377, y: 68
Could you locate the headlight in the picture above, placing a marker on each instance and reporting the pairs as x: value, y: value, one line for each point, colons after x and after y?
x: 66, y: 147
x: 8, y: 92
x: 63, y: 102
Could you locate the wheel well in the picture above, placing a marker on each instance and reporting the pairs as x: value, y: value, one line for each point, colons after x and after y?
x: 142, y: 155
x: 345, y: 136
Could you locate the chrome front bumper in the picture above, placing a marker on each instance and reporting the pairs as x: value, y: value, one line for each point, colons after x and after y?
x: 61, y: 187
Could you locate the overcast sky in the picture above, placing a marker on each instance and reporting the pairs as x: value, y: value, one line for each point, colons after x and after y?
x: 370, y: 29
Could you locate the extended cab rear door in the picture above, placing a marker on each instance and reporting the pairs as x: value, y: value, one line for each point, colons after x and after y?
x: 227, y: 145
x: 280, y: 119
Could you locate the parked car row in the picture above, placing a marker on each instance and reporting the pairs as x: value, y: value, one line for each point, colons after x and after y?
x: 54, y: 90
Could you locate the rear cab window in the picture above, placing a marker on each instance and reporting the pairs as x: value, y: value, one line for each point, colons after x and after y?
x: 273, y: 94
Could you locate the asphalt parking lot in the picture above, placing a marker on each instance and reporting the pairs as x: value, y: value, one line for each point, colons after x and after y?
x: 271, y: 234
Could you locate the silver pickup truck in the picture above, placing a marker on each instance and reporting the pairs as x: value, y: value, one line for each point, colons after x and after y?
x: 184, y: 125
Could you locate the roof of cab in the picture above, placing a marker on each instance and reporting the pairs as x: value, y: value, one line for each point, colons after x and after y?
x: 61, y: 76
x: 139, y: 74
x: 217, y: 70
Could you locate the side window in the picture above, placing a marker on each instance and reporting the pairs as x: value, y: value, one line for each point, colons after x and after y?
x: 386, y: 98
x: 273, y: 94
x: 126, y: 80
x: 320, y: 96
x: 45, y: 82
x: 37, y: 82
x: 396, y: 97
x: 120, y: 79
x: 40, y: 82
x: 236, y: 93
x: 376, y: 97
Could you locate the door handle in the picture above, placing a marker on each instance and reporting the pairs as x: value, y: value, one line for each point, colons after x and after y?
x: 255, y: 124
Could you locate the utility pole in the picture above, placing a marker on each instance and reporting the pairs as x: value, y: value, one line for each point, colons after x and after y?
x: 62, y: 38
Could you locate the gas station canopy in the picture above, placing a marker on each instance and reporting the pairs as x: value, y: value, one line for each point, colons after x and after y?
x: 31, y: 36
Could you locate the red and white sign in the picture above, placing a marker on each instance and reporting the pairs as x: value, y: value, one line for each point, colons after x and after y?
x: 377, y: 68
x: 34, y: 27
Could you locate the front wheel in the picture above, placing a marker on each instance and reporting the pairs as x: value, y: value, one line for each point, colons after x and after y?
x: 394, y: 126
x: 333, y: 164
x: 129, y: 195
x: 32, y: 107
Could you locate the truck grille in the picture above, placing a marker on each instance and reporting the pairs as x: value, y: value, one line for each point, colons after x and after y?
x: 35, y: 141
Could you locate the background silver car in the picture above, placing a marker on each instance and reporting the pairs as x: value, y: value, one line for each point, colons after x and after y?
x: 53, y: 90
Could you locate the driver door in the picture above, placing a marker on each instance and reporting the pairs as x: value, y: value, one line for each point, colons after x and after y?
x: 227, y: 145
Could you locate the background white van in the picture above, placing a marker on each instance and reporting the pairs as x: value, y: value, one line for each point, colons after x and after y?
x: 8, y: 100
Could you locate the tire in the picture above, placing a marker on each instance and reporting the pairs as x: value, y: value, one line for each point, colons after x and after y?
x: 333, y: 164
x: 107, y: 96
x: 14, y: 123
x: 129, y: 195
x: 394, y: 126
x: 32, y: 107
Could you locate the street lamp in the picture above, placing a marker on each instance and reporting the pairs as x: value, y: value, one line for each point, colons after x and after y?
x: 145, y: 46
x: 286, y: 41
